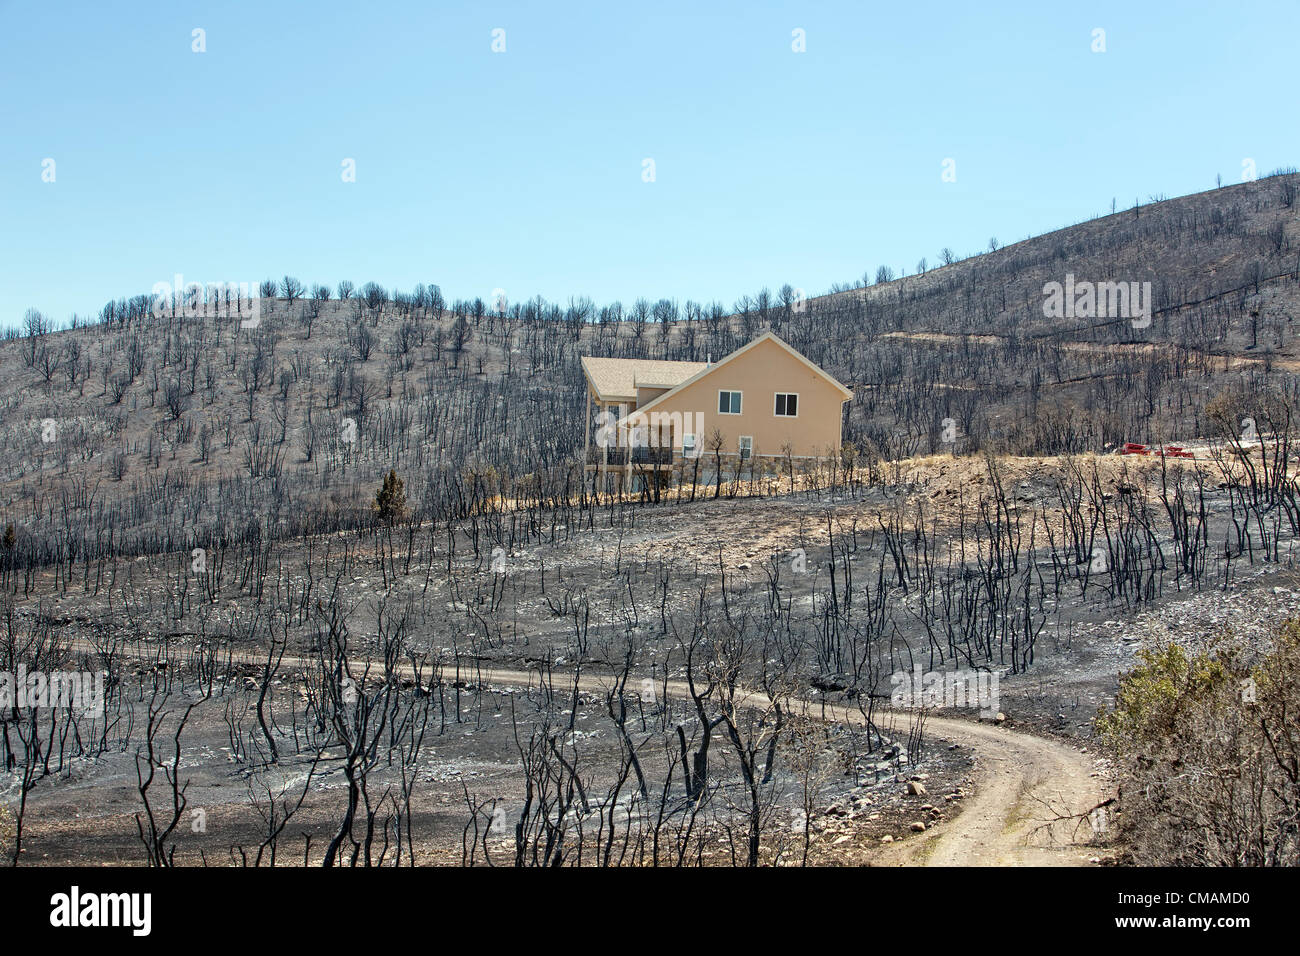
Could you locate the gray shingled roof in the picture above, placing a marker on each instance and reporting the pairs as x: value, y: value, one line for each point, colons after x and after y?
x: 617, y: 379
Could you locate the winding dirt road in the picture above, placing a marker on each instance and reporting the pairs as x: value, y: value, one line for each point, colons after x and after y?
x: 1023, y: 784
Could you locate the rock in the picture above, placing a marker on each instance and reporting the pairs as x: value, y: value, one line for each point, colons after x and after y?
x: 918, y: 827
x: 1000, y: 718
x: 916, y: 788
x: 886, y: 839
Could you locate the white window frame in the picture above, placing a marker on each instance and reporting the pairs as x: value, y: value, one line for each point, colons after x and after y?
x: 740, y: 447
x: 777, y: 395
x: 730, y: 391
x: 689, y: 448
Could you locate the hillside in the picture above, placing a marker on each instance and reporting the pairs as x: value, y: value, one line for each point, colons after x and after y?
x: 137, y: 433
x: 511, y: 668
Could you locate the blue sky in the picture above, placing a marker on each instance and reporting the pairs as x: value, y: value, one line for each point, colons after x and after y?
x: 523, y: 170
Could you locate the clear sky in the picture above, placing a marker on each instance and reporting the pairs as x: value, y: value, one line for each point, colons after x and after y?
x: 524, y: 169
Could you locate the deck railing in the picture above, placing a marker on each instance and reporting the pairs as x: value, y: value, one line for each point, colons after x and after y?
x: 640, y: 455
x: 645, y: 455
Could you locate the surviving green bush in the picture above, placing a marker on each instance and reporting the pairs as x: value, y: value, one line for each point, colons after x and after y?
x: 1207, y: 745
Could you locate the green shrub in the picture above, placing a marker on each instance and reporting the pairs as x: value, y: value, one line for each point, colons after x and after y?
x: 1208, y: 752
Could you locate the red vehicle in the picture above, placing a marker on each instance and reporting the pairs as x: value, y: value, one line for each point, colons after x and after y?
x: 1168, y: 451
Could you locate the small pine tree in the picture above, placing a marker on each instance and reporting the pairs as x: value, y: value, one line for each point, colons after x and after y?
x: 10, y: 538
x: 390, y: 500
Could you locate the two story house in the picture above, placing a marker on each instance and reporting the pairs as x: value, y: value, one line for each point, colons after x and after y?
x: 758, y: 402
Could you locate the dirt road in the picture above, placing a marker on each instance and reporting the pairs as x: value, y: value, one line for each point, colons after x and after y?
x: 1022, y: 784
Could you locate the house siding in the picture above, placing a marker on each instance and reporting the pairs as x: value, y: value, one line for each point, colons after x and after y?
x: 759, y: 374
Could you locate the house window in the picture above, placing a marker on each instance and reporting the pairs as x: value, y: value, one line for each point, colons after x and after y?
x: 728, y: 403
x: 787, y: 405
x: 746, y: 447
x: 688, y: 446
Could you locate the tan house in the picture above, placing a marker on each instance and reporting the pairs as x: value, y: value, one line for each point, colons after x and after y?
x: 755, y: 402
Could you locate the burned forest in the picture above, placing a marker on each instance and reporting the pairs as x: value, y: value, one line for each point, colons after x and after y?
x: 333, y: 586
